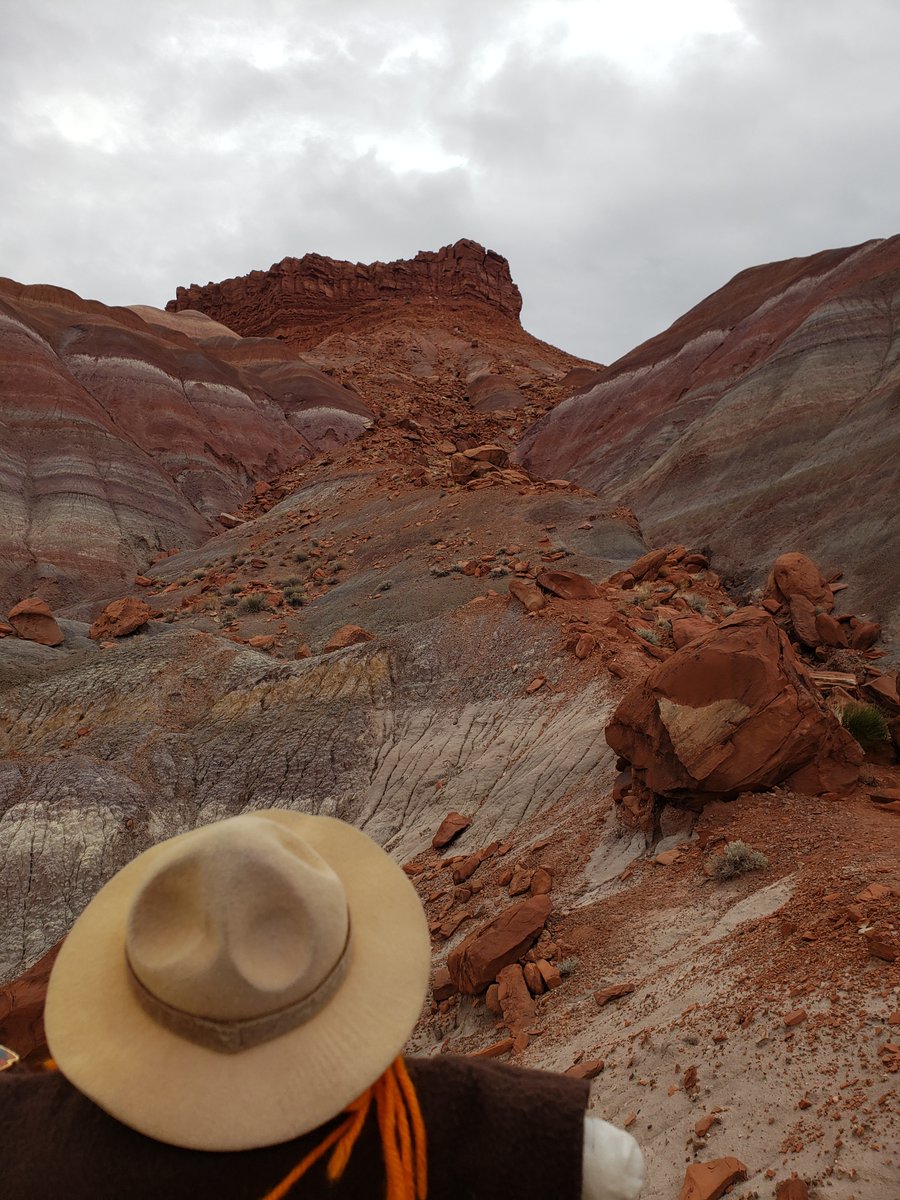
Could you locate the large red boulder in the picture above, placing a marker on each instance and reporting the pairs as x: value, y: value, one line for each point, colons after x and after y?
x: 732, y: 711
x: 479, y: 959
x: 796, y: 575
x: 120, y: 617
x: 33, y: 621
x: 568, y: 585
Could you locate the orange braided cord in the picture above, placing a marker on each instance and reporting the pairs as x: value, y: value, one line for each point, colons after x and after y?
x: 420, y: 1145
x: 339, y: 1132
x: 402, y: 1132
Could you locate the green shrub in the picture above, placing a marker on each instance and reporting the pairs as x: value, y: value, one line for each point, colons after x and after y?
x: 866, y: 723
x: 198, y: 574
x: 697, y: 603
x: 566, y: 966
x: 737, y: 859
x: 228, y: 602
x: 664, y: 624
x: 296, y: 600
x: 234, y: 588
x: 252, y: 604
x: 301, y: 557
x: 649, y: 635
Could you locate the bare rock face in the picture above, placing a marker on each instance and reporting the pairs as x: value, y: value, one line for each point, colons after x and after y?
x: 209, y: 726
x: 764, y: 417
x: 312, y: 293
x: 478, y: 960
x: 731, y: 711
x: 125, y: 436
x: 120, y: 617
x: 33, y: 621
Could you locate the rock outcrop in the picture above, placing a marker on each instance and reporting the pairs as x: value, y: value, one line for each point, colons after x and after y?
x: 733, y: 710
x: 310, y: 296
x: 479, y: 958
x: 33, y: 621
x: 764, y: 417
x: 119, y: 618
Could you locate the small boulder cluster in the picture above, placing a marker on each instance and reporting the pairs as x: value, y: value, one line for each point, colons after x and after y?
x: 802, y: 602
x: 507, y: 958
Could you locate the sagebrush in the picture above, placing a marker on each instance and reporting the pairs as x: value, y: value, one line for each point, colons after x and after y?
x: 737, y: 859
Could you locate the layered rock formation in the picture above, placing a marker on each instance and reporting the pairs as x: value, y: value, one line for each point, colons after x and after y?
x: 123, y: 438
x: 765, y: 417
x: 307, y: 298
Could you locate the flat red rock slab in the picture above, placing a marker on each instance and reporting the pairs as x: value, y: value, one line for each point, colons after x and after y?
x: 709, y: 1181
x: 613, y: 993
x: 451, y: 827
x: 568, y: 585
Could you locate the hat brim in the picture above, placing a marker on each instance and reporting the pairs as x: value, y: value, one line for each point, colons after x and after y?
x: 187, y: 1095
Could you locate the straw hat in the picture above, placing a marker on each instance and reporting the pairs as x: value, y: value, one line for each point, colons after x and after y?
x: 240, y: 984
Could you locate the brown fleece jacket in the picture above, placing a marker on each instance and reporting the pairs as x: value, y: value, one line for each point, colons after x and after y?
x: 493, y: 1132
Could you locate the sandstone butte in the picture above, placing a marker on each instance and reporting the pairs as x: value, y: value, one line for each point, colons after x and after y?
x: 673, y: 429
x: 341, y: 477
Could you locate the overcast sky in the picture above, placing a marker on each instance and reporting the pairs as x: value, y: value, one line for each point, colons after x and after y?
x: 627, y: 156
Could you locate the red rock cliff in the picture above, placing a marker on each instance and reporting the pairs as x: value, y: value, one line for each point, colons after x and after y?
x: 309, y: 296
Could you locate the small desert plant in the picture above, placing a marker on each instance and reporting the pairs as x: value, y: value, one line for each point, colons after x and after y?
x: 649, y: 635
x: 496, y: 572
x: 566, y: 966
x: 234, y: 588
x: 228, y: 602
x: 728, y: 609
x: 300, y: 556
x: 697, y: 603
x: 664, y: 624
x: 252, y: 604
x: 439, y: 572
x: 292, y: 581
x: 198, y: 574
x: 866, y: 723
x: 384, y: 587
x: 296, y: 599
x: 737, y: 859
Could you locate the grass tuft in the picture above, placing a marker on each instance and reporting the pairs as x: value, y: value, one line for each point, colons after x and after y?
x: 866, y: 723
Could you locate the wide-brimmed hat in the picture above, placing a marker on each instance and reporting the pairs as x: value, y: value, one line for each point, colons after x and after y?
x: 240, y: 984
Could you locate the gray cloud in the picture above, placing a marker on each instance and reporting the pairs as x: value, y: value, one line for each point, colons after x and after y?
x: 625, y: 173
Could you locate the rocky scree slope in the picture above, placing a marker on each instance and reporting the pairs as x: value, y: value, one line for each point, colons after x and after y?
x: 765, y: 419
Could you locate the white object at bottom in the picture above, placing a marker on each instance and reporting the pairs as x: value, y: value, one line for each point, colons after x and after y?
x: 612, y: 1163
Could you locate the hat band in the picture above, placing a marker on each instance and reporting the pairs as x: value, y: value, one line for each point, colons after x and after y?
x: 231, y: 1037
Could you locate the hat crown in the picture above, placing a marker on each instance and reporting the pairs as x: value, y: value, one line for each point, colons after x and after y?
x: 246, y: 920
